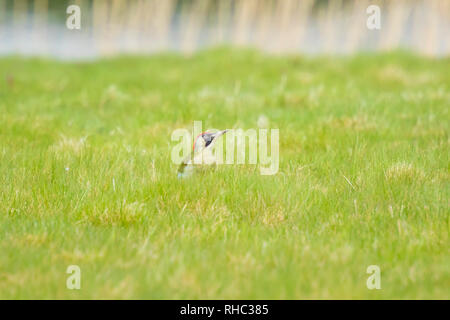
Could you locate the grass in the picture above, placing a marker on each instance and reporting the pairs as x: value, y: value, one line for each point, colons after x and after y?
x: 86, y: 178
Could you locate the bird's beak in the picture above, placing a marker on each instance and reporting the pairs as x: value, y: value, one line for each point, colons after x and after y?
x: 220, y: 133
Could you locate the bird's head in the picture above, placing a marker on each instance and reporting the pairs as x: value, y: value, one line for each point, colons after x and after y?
x: 206, y: 139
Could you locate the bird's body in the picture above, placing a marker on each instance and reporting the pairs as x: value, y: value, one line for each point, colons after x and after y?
x: 202, y: 154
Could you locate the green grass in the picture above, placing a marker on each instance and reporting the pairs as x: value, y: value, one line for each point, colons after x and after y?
x: 379, y: 121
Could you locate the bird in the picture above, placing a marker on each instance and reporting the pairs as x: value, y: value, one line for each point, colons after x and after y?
x: 201, y: 155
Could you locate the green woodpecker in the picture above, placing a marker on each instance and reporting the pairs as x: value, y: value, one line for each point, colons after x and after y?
x: 201, y: 154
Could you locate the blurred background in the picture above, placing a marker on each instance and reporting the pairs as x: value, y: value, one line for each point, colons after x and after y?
x: 109, y: 27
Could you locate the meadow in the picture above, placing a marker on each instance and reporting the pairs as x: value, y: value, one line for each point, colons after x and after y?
x: 86, y: 177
